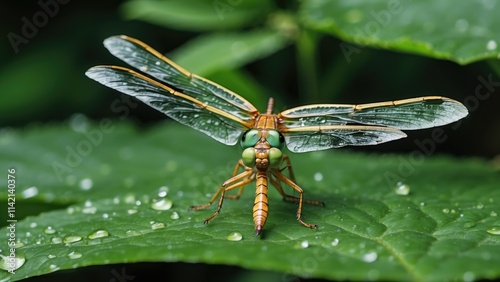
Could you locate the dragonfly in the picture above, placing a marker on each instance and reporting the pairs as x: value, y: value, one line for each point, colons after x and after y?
x: 229, y: 118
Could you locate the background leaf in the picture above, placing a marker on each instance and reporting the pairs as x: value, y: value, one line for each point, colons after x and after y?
x: 439, y: 231
x: 197, y: 14
x: 462, y: 32
x: 217, y: 51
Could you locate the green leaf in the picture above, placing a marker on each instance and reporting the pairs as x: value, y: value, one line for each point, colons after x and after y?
x: 460, y: 31
x: 109, y: 176
x: 213, y: 52
x: 197, y: 15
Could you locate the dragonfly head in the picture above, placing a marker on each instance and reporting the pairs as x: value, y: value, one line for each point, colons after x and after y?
x: 262, y: 146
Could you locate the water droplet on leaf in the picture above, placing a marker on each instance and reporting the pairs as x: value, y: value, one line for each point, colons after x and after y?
x: 370, y: 257
x: 335, y: 242
x: 491, y: 45
x: 318, y: 176
x: 98, y: 234
x: 10, y: 264
x: 85, y: 184
x: 162, y: 205
x: 30, y: 192
x: 174, y: 215
x: 234, y: 236
x: 163, y: 191
x: 49, y: 230
x: 495, y: 230
x: 74, y: 255
x: 402, y: 189
x: 157, y: 225
x: 71, y: 239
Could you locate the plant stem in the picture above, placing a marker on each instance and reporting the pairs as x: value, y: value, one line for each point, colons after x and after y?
x: 306, y: 63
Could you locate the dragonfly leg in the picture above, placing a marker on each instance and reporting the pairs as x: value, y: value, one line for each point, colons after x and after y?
x: 286, y: 180
x: 240, y: 191
x: 232, y: 183
x: 285, y: 196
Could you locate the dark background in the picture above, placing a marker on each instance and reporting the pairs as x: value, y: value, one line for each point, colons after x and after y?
x: 45, y: 81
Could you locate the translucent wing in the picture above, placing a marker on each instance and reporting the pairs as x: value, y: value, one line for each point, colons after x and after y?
x: 189, y: 99
x: 332, y: 126
x: 314, y: 138
x: 214, y: 122
x: 149, y: 61
x: 408, y: 114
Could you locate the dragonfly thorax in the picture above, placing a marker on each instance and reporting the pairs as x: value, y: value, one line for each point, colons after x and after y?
x: 262, y: 148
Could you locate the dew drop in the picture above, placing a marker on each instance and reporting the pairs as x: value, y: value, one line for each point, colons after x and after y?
x: 89, y: 210
x: 53, y: 267
x: 318, y: 176
x: 335, y: 242
x: 370, y: 257
x: 56, y: 240
x: 144, y: 68
x: 157, y: 63
x: 105, y: 215
x: 162, y: 191
x: 49, y: 230
x: 402, y: 189
x: 479, y: 206
x: 70, y: 210
x: 495, y: 230
x: 174, y: 215
x: 445, y: 210
x: 33, y: 224
x: 157, y: 225
x: 234, y: 236
x: 162, y: 205
x: 6, y: 262
x: 74, y: 255
x: 131, y: 211
x: 85, y: 184
x: 129, y: 199
x: 51, y: 256
x: 491, y: 45
x: 30, y: 192
x: 304, y: 244
x: 132, y: 232
x: 493, y: 213
x: 71, y: 239
x: 469, y: 276
x: 98, y: 234
x: 79, y: 122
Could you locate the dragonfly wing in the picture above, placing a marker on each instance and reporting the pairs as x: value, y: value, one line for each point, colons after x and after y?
x: 314, y: 138
x: 216, y: 123
x: 408, y: 114
x: 149, y: 61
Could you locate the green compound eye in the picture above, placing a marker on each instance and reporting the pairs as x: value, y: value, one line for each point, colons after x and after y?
x: 275, y: 157
x: 275, y: 139
x: 249, y: 138
x: 248, y: 157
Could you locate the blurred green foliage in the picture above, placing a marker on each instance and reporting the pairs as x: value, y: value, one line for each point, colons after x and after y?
x: 260, y: 49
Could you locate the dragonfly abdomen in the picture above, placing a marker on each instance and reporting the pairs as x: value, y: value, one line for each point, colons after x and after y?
x: 261, y: 203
